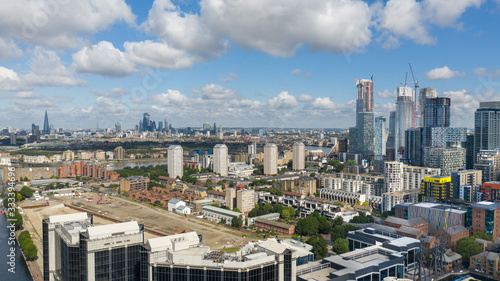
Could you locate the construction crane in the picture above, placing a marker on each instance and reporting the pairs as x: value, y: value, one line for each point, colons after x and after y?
x: 415, y: 83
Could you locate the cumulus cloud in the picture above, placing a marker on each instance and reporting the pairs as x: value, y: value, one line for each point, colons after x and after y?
x: 158, y: 55
x: 230, y: 77
x: 283, y: 101
x: 482, y: 71
x: 10, y: 80
x: 113, y: 93
x: 442, y: 73
x: 300, y: 73
x: 446, y: 13
x: 103, y: 59
x: 216, y: 92
x: 59, y: 24
x: 171, y: 98
x: 323, y: 103
x: 305, y: 98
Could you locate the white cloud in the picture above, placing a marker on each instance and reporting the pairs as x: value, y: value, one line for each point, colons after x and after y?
x: 387, y: 94
x: 158, y: 55
x: 300, y: 73
x: 305, y: 98
x: 171, y: 98
x: 10, y: 80
x: 59, y: 24
x: 48, y: 70
x: 216, y: 92
x: 323, y: 103
x: 446, y: 13
x: 441, y: 73
x: 231, y: 76
x: 482, y: 71
x: 27, y: 95
x: 9, y: 49
x: 113, y: 93
x: 283, y: 101
x: 103, y: 59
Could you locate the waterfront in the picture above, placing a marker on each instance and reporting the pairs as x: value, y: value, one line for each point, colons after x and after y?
x: 21, y: 270
x: 136, y: 163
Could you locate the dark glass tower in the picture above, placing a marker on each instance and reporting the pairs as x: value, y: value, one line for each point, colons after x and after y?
x: 46, y: 127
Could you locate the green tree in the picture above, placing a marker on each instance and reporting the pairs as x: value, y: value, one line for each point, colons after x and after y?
x: 277, y: 208
x: 236, y: 210
x: 237, y: 222
x: 30, y: 250
x: 208, y: 182
x: 338, y: 232
x: 285, y: 214
x: 257, y: 172
x: 26, y: 192
x: 362, y: 218
x: 385, y: 214
x: 268, y: 208
x: 307, y: 226
x: 350, y: 227
x: 231, y: 184
x: 320, y: 248
x: 338, y: 221
x: 467, y: 248
x: 23, y: 237
x: 482, y: 235
x: 340, y: 246
x: 324, y: 225
x: 313, y: 174
x: 16, y: 217
x: 216, y: 205
x: 19, y: 197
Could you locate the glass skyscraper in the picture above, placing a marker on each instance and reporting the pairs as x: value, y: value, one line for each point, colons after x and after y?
x: 46, y: 127
x: 380, y: 135
x: 486, y: 127
x: 361, y: 138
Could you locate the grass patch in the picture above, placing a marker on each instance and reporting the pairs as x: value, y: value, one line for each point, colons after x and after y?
x: 230, y: 249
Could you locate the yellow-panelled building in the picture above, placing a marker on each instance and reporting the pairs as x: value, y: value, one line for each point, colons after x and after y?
x: 438, y: 187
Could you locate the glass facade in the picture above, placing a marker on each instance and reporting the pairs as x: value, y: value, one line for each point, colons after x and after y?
x: 45, y: 228
x: 167, y: 273
x: 437, y: 112
x: 70, y: 262
x: 117, y: 264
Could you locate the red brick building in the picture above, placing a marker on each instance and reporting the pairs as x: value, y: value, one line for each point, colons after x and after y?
x: 451, y: 235
x: 418, y: 222
x: 278, y: 227
x: 491, y: 191
x: 86, y: 169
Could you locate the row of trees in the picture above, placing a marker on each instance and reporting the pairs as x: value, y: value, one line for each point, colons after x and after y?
x: 264, y: 209
x: 468, y: 247
x: 339, y: 235
x: 29, y: 248
x: 312, y: 225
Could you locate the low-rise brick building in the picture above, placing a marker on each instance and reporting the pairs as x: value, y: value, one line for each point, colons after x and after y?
x: 486, y: 263
x: 451, y: 235
x: 278, y: 227
x: 417, y: 222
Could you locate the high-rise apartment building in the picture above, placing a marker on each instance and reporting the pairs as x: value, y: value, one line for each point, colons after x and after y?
x: 413, y: 154
x: 437, y: 112
x: 413, y: 176
x: 447, y: 159
x: 362, y: 137
x: 299, y: 156
x: 119, y: 153
x: 425, y: 93
x: 488, y: 161
x: 175, y: 161
x: 405, y: 115
x: 245, y: 200
x: 231, y: 198
x: 270, y: 159
x: 220, y: 160
x: 486, y: 127
x: 491, y: 191
x: 380, y: 136
x: 393, y: 174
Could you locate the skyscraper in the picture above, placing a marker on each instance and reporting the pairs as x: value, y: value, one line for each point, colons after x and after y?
x: 299, y: 155
x: 361, y: 138
x: 46, y: 127
x: 118, y: 127
x: 413, y: 155
x: 405, y: 115
x: 437, y: 112
x: 380, y: 135
x: 146, y: 122
x: 270, y: 159
x: 425, y: 93
x: 220, y: 159
x: 175, y: 161
x: 486, y: 127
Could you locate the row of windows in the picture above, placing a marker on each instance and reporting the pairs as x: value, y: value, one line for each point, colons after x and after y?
x: 268, y: 273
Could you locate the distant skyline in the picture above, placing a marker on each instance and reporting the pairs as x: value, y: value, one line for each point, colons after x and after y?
x: 285, y: 64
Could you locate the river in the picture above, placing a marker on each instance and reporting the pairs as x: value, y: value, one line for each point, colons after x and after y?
x: 122, y: 164
x: 21, y: 270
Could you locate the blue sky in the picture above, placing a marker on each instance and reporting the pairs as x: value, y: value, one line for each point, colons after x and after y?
x: 254, y: 63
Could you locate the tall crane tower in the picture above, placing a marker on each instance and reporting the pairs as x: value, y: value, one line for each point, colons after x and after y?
x: 415, y: 83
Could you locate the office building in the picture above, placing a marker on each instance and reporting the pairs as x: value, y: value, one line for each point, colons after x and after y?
x: 436, y: 188
x: 470, y: 178
x: 380, y: 136
x: 484, y: 217
x: 469, y: 154
x: 119, y: 153
x: 447, y: 159
x: 361, y: 137
x: 220, y: 160
x: 413, y: 154
x: 118, y: 127
x: 425, y: 93
x: 405, y: 115
x: 488, y: 161
x: 299, y: 156
x: 270, y: 159
x: 75, y: 249
x: 175, y: 161
x: 46, y: 126
x: 486, y: 127
x: 183, y: 257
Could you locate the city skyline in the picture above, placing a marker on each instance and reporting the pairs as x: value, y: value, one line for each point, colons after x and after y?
x: 191, y: 62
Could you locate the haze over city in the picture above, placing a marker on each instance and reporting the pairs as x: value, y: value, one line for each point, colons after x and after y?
x: 255, y: 63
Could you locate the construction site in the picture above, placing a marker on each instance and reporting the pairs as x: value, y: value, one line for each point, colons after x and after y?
x: 157, y: 222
